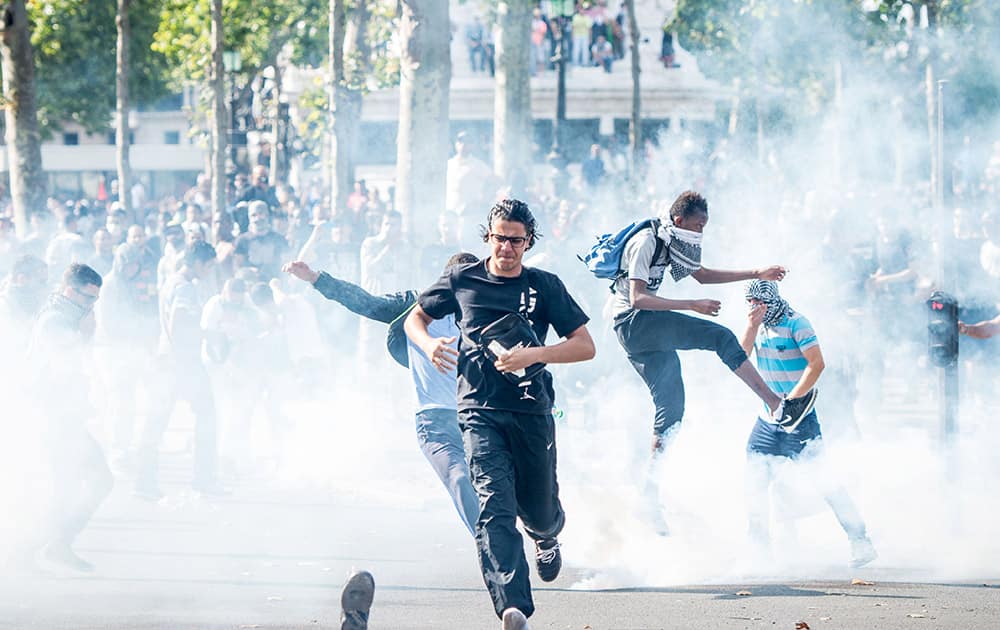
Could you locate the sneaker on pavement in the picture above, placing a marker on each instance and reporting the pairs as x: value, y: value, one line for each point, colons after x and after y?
x: 548, y: 560
x: 63, y: 556
x: 356, y: 601
x: 862, y: 552
x: 793, y: 410
x: 147, y: 492
x: 513, y: 619
x: 212, y: 489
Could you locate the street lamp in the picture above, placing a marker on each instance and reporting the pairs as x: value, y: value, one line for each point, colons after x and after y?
x: 562, y: 11
x: 232, y: 63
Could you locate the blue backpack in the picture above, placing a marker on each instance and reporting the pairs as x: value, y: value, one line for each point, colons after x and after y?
x: 605, y: 258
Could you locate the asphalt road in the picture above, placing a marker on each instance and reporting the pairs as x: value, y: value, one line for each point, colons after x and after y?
x: 273, y: 558
x: 275, y: 552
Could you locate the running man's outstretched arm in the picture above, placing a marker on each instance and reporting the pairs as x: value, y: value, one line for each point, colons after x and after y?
x: 982, y: 330
x: 355, y: 299
x: 722, y: 276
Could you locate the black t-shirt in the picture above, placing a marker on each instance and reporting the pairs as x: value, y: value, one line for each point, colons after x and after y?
x: 479, y: 298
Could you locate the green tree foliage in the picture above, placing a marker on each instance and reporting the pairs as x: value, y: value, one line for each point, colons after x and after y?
x: 379, y: 70
x: 258, y: 29
x: 74, y: 42
x: 787, y: 48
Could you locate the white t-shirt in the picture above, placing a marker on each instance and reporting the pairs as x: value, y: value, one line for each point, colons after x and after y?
x: 638, y: 264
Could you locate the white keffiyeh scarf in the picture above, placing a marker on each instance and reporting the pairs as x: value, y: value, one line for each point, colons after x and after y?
x: 767, y: 292
x: 683, y: 248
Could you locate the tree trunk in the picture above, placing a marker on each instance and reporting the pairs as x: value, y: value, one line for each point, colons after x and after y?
x: 122, y: 140
x: 276, y: 167
x: 635, y: 126
x: 340, y: 185
x: 349, y: 67
x: 422, y: 144
x: 24, y: 151
x: 218, y: 81
x: 512, y: 123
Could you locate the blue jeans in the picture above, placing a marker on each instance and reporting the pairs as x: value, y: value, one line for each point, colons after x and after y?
x: 768, y: 441
x: 441, y: 441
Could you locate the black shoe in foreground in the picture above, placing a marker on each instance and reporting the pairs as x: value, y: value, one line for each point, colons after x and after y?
x: 356, y: 601
x: 548, y: 560
x: 793, y: 410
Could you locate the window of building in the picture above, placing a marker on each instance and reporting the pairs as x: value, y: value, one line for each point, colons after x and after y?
x: 71, y: 138
x: 171, y: 137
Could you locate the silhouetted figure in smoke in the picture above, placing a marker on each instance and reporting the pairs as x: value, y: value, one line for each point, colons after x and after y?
x: 261, y: 247
x: 437, y: 418
x: 81, y: 478
x: 127, y: 327
x: 259, y: 190
x: 592, y: 169
x: 434, y: 256
x: 790, y: 361
x: 505, y: 397
x: 23, y: 292
x: 651, y: 330
x: 470, y: 185
x: 182, y: 377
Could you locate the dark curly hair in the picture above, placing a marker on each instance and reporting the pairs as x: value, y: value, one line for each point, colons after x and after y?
x: 78, y: 275
x: 687, y: 205
x: 512, y: 210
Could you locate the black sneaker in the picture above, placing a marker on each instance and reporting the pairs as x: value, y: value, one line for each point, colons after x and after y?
x: 792, y: 410
x: 548, y: 560
x: 356, y: 601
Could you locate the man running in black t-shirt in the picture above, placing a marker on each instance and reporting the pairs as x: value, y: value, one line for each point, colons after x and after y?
x: 505, y: 397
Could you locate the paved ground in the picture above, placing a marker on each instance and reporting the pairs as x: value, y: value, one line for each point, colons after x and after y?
x: 276, y: 561
x: 359, y: 495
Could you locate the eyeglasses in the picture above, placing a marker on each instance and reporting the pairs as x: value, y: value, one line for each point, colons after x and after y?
x: 515, y: 241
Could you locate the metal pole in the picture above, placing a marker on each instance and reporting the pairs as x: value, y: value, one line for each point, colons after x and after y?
x: 556, y: 157
x: 948, y: 378
x: 233, y: 103
x: 939, y: 191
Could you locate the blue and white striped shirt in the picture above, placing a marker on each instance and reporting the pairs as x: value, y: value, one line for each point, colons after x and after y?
x: 779, y: 352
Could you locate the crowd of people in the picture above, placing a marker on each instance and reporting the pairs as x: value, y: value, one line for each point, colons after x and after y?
x: 596, y: 35
x: 228, y: 313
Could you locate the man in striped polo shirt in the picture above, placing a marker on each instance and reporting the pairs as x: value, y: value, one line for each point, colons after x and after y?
x: 790, y: 361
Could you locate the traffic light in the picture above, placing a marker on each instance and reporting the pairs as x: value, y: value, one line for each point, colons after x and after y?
x: 942, y: 328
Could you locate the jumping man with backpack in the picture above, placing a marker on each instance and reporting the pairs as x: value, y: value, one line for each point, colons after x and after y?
x: 651, y: 329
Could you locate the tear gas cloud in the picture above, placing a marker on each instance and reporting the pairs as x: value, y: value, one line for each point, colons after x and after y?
x: 928, y: 507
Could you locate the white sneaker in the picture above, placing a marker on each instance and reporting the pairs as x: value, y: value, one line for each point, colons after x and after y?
x: 862, y: 552
x: 514, y: 619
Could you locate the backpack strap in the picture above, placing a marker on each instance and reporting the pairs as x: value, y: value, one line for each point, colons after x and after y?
x: 653, y: 224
